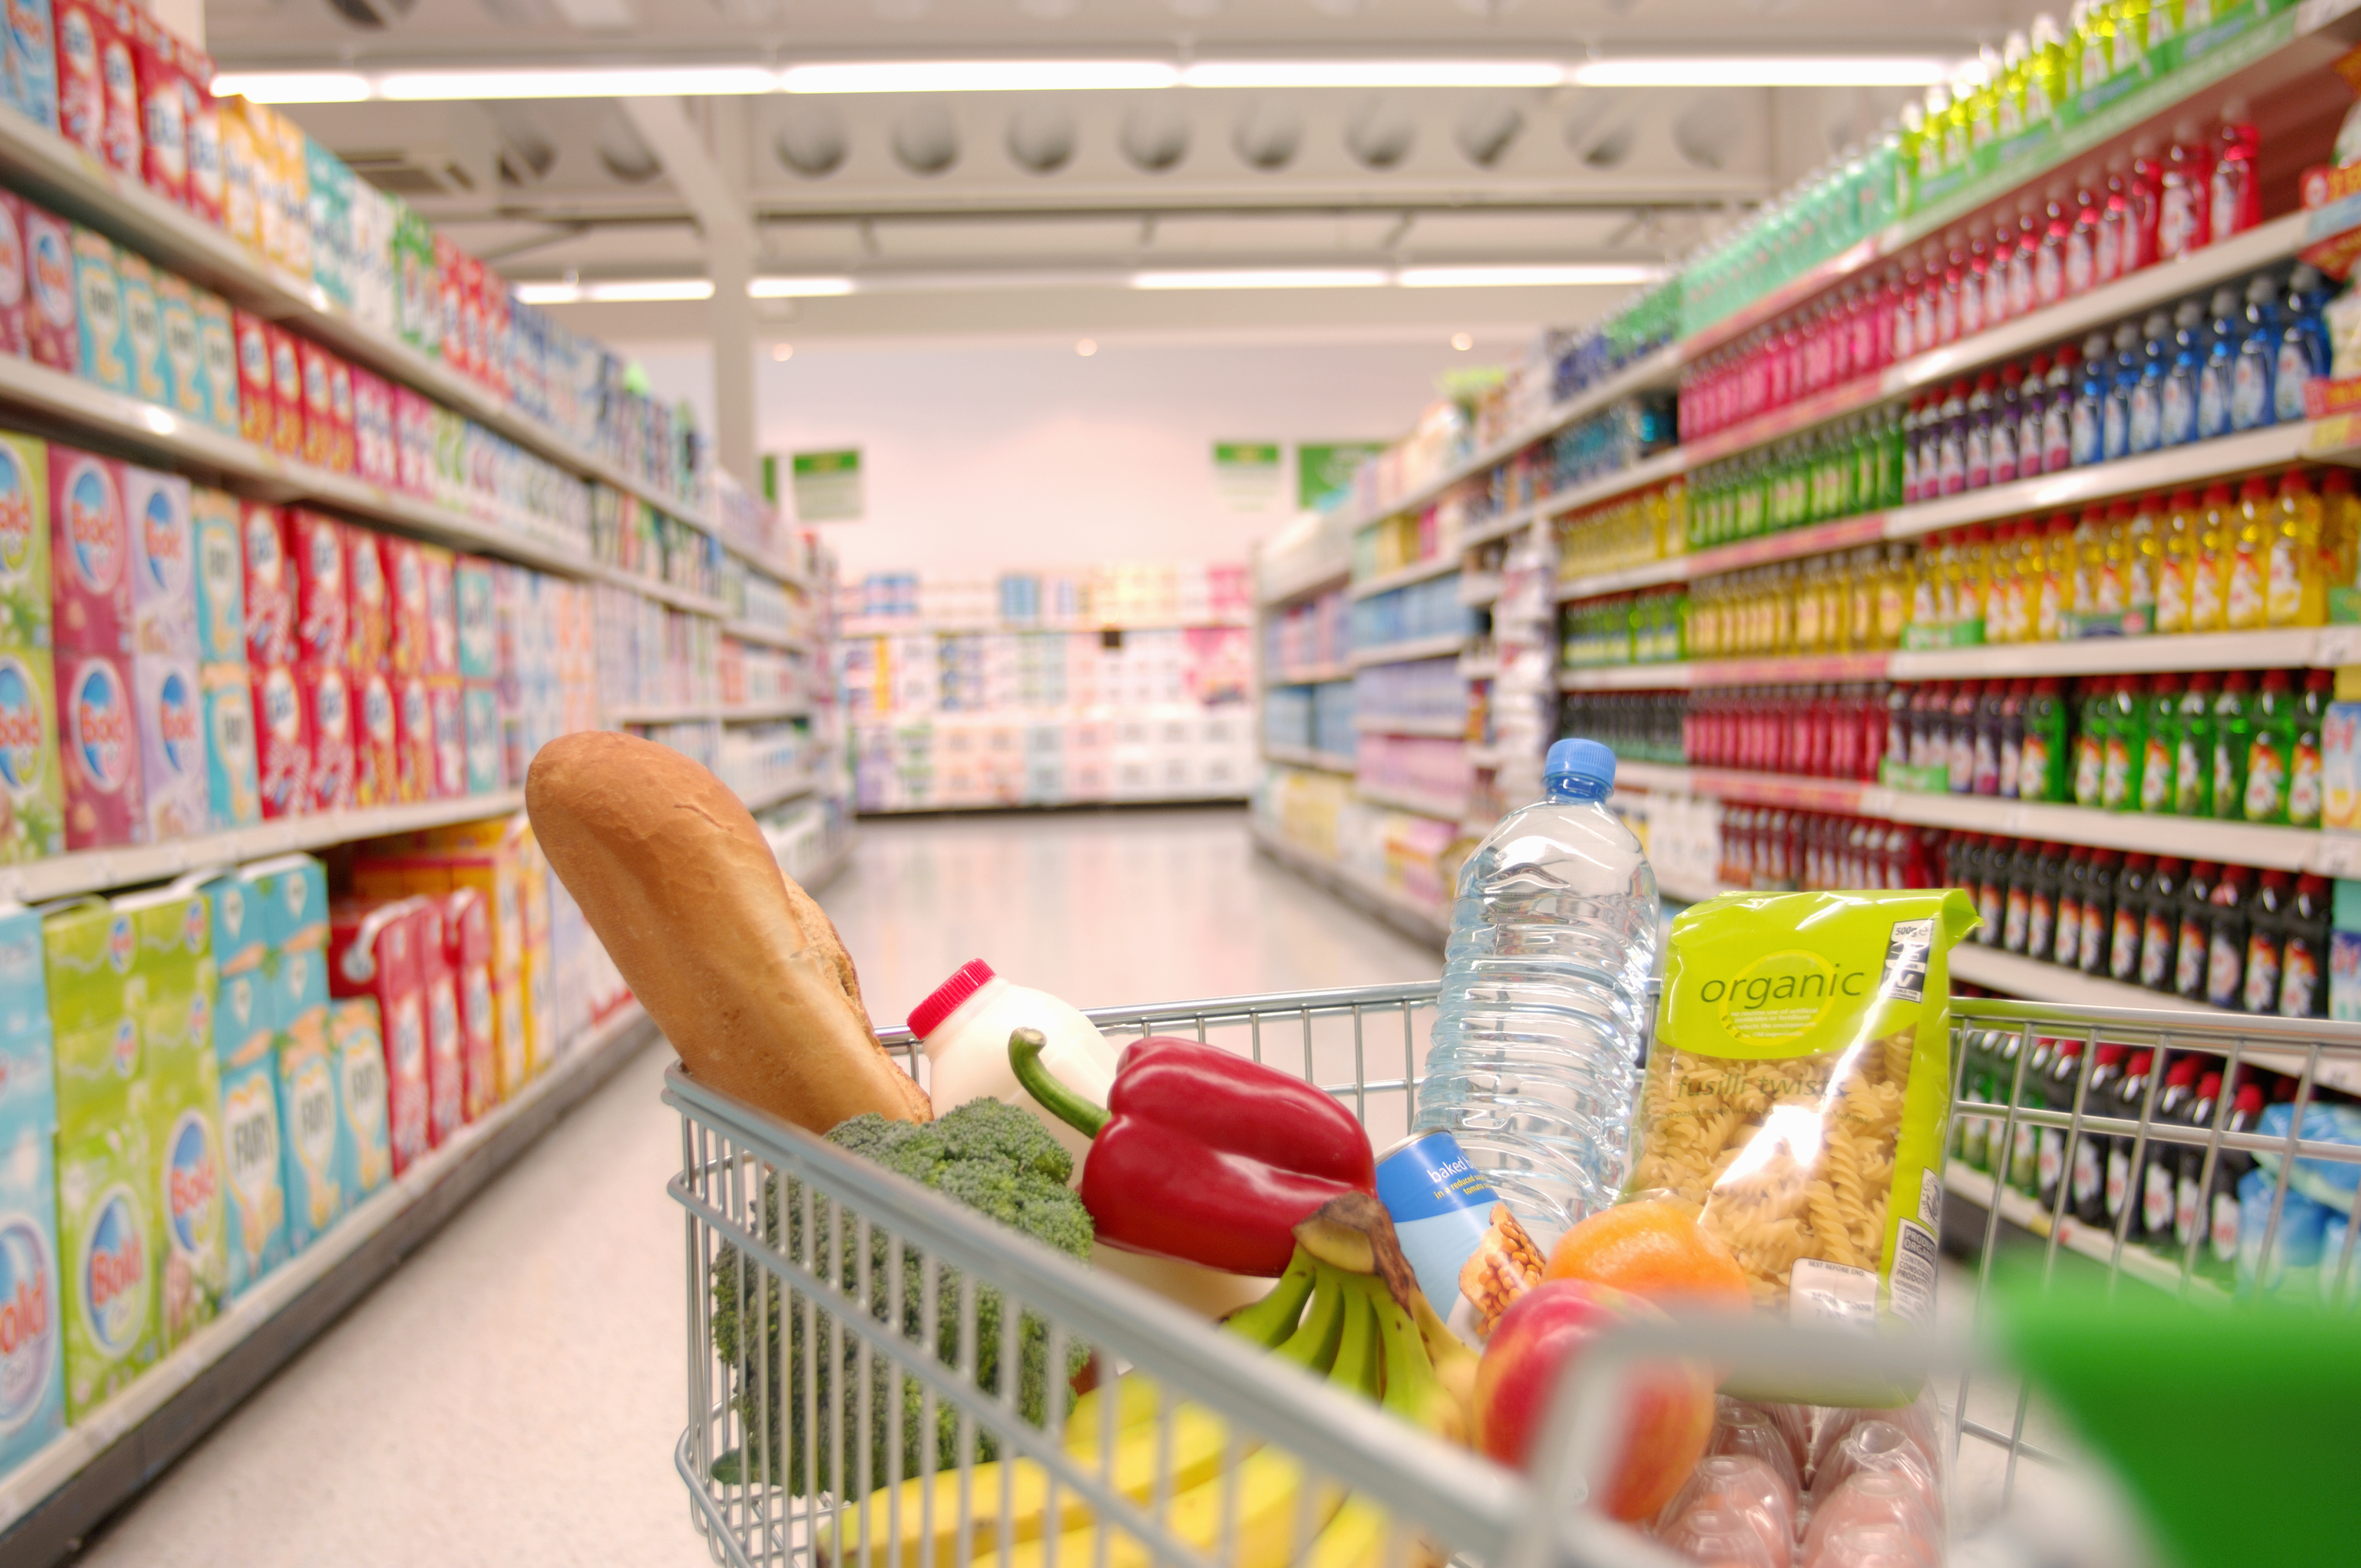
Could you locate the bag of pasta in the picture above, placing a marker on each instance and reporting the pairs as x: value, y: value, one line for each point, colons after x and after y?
x: 1797, y: 1091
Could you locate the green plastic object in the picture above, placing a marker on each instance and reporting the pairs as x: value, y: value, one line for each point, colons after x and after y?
x: 2231, y: 1428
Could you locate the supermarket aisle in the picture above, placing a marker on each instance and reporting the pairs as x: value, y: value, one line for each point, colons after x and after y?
x: 514, y: 1393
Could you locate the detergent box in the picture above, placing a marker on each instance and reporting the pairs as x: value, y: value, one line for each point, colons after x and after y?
x: 14, y: 280
x: 32, y: 1372
x: 318, y: 419
x: 173, y: 770
x: 105, y: 803
x: 467, y: 945
x: 377, y: 740
x: 486, y: 756
x: 89, y: 554
x: 184, y: 348
x: 313, y: 1128
x: 447, y: 1035
x: 373, y: 953
x: 31, y: 787
x: 435, y: 567
x: 32, y: 62
x: 149, y: 372
x: 405, y: 578
x: 270, y: 587
x: 245, y: 1039
x: 282, y: 742
x: 256, y: 415
x: 157, y: 520
x: 327, y: 694
x: 358, y: 1042
x: 25, y: 525
x: 184, y: 1129
x: 286, y: 392
x: 413, y: 739
x: 446, y: 705
x: 105, y: 353
x: 477, y: 628
x: 53, y: 321
x: 106, y: 1235
x: 370, y: 598
x: 315, y: 544
x: 217, y: 346
x: 294, y: 891
x: 220, y: 575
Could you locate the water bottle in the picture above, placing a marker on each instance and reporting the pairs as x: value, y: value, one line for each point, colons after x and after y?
x: 1544, y: 999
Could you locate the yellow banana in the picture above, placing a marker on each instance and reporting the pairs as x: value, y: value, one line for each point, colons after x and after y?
x: 1271, y: 1509
x: 1357, y: 1535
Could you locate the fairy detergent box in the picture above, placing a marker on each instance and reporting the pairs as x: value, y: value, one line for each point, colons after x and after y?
x: 376, y: 741
x: 357, y: 1041
x: 157, y: 521
x: 32, y: 795
x: 25, y: 543
x: 105, y: 354
x: 413, y: 739
x: 282, y: 742
x: 184, y: 350
x: 313, y: 1128
x: 370, y: 599
x: 315, y: 544
x: 270, y: 587
x: 173, y: 778
x: 326, y: 694
x: 143, y: 329
x: 218, y: 349
x: 53, y: 323
x: 256, y: 416
x: 246, y: 1027
x: 447, y: 1037
x: 89, y: 554
x: 373, y: 952
x: 32, y: 1373
x: 105, y: 793
x: 220, y: 577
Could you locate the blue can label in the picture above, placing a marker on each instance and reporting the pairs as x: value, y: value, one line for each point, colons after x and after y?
x: 1471, y: 1257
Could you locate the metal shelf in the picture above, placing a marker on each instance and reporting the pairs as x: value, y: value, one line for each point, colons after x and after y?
x: 1410, y: 800
x: 1303, y: 757
x: 1479, y: 589
x: 1450, y: 729
x: 1396, y: 908
x: 1320, y: 579
x: 1411, y: 650
x: 1402, y: 576
x: 711, y: 712
x: 2139, y: 1263
x: 1317, y: 674
x: 779, y: 793
x: 750, y: 631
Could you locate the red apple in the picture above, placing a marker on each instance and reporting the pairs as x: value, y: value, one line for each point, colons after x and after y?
x: 1668, y: 1406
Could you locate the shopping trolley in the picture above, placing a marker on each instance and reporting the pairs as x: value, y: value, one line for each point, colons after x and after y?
x: 749, y: 1184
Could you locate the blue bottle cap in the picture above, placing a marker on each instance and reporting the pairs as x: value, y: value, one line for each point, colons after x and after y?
x: 1579, y: 760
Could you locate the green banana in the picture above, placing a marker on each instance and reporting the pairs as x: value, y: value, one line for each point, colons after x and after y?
x: 1313, y: 1345
x: 1268, y: 1322
x: 1359, y: 1362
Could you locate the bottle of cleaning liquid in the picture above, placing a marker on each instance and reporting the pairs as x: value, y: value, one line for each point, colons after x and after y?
x: 2091, y: 401
x: 2305, y: 354
x: 1544, y: 999
x: 2179, y: 410
x: 2236, y: 203
x: 2183, y: 221
x: 2222, y: 333
x: 2147, y: 392
x: 2116, y: 419
x: 2251, y: 403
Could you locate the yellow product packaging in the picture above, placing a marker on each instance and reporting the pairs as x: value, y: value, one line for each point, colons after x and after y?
x: 1799, y: 1091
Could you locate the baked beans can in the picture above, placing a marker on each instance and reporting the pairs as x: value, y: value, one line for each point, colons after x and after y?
x: 105, y: 797
x: 1471, y: 1257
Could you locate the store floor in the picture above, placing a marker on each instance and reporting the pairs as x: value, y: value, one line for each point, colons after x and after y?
x: 513, y: 1394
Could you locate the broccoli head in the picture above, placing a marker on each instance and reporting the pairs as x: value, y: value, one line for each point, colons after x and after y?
x: 803, y: 1410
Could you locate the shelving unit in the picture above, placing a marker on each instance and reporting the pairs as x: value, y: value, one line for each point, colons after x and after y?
x: 1410, y: 651
x: 1390, y: 905
x: 1298, y: 757
x: 718, y: 713
x: 2139, y: 1263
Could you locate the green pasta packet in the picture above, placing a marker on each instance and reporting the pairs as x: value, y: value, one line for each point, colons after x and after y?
x: 1797, y: 1093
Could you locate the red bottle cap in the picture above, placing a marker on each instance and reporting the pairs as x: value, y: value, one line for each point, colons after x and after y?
x: 970, y: 978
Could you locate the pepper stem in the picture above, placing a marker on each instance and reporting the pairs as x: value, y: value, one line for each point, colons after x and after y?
x: 1025, y: 1049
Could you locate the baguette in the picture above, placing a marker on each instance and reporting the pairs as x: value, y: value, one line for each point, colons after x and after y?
x: 735, y: 963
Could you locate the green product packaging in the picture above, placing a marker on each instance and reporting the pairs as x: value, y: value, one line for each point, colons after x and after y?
x: 1798, y: 1093
x: 90, y: 951
x: 2127, y: 746
x: 186, y: 1177
x: 2096, y: 722
x: 2045, y: 763
x: 107, y: 1223
x: 2192, y: 773
x: 2234, y: 734
x: 2270, y: 751
x: 2158, y: 766
x: 32, y: 789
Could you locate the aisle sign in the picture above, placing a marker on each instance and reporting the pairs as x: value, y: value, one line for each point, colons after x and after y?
x: 828, y: 486
x: 1323, y: 473
x: 1250, y: 474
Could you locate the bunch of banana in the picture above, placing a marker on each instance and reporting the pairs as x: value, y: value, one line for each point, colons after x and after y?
x: 1347, y: 1307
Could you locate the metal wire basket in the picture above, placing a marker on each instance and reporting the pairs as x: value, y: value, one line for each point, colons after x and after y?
x: 784, y: 1225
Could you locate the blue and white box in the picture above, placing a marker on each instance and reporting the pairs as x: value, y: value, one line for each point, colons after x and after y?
x: 32, y: 1373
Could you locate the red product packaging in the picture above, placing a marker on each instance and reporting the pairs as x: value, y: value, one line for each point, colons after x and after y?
x: 446, y: 1038
x: 373, y: 952
x: 377, y: 739
x: 282, y: 742
x: 319, y: 422
x: 442, y: 611
x: 90, y: 551
x: 327, y: 699
x: 340, y: 415
x: 374, y: 456
x: 451, y: 281
x: 53, y: 324
x: 323, y: 623
x: 120, y: 139
x: 414, y: 740
x: 98, y: 736
x: 444, y: 703
x: 81, y: 89
x: 256, y: 415
x: 405, y: 582
x: 370, y: 596
x: 163, y: 111
x: 205, y: 189
x: 286, y: 392
x: 270, y: 587
x: 467, y: 942
x: 15, y: 278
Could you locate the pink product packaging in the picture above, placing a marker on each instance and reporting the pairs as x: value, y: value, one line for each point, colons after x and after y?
x: 282, y: 742
x: 327, y: 697
x: 81, y: 86
x: 171, y: 745
x: 121, y: 139
x: 15, y: 281
x: 53, y: 309
x: 99, y: 737
x: 90, y: 551
x: 163, y: 562
x: 442, y: 612
x: 448, y: 708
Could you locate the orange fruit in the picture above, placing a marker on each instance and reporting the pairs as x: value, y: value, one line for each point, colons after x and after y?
x: 1654, y: 1249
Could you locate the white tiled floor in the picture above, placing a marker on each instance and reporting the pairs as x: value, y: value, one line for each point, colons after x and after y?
x: 513, y: 1394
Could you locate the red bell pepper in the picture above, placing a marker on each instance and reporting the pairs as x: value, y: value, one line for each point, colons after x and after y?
x: 1202, y: 1155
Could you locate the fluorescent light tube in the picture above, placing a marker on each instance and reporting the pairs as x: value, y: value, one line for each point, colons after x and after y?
x: 978, y: 76
x: 1266, y: 278
x: 1762, y: 71
x: 1373, y: 73
x: 548, y: 293
x: 648, y: 290
x: 293, y: 86
x: 1589, y: 275
x: 797, y: 288
x: 579, y: 82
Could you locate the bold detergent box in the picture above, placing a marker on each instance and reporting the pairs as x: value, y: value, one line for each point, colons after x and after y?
x: 53, y: 321
x: 155, y: 518
x: 14, y: 280
x: 270, y: 587
x: 173, y: 772
x: 373, y: 953
x: 105, y: 353
x: 323, y: 623
x: 446, y: 1033
x: 184, y: 350
x: 32, y: 1370
x: 282, y: 742
x: 31, y: 788
x: 205, y: 192
x: 105, y: 797
x: 149, y: 372
x: 163, y: 111
x: 184, y: 1110
x: 358, y: 1041
x: 376, y: 741
x: 220, y: 577
x: 326, y: 694
x: 89, y: 554
x: 217, y: 346
x: 25, y: 530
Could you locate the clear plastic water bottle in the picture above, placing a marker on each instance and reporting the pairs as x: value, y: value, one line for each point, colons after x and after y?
x: 1544, y: 999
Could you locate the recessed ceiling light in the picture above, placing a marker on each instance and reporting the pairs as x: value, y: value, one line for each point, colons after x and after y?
x: 1462, y: 342
x: 1086, y: 347
x: 783, y: 351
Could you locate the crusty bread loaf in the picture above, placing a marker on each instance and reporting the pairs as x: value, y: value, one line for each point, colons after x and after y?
x: 735, y: 963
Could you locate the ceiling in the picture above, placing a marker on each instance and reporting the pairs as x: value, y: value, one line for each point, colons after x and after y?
x: 1022, y: 210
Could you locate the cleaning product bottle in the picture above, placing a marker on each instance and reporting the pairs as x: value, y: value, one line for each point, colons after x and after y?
x: 2146, y: 432
x: 2306, y: 784
x: 2142, y: 549
x: 2223, y: 329
x: 2192, y: 767
x: 2271, y: 749
x: 2177, y: 563
x: 2091, y: 401
x: 2115, y: 416
x: 2252, y: 523
x: 2161, y: 756
x: 2209, y: 581
x: 2145, y: 193
x: 2251, y: 403
x: 2093, y: 709
x: 2296, y: 584
x: 2305, y: 354
x: 2082, y: 241
x: 2234, y: 733
x: 2058, y: 397
x: 2182, y: 220
x: 2178, y: 413
x: 2236, y: 203
x: 2127, y: 746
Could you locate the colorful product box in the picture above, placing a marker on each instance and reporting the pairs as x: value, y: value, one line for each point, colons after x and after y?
x: 445, y: 703
x: 282, y: 742
x: 542, y: 1044
x: 81, y: 92
x: 163, y: 114
x: 327, y: 697
x: 312, y: 1161
x: 31, y: 787
x: 53, y: 321
x: 184, y: 350
x: 370, y: 598
x: 318, y: 419
x: 26, y: 612
x: 271, y: 587
x: 478, y: 647
x: 256, y: 415
x: 205, y: 192
x: 99, y: 752
x: 32, y: 1372
x: 155, y: 518
x: 15, y: 281
x: 447, y: 1035
x: 105, y: 353
x: 405, y: 578
x: 220, y: 577
x: 33, y: 62
x: 468, y: 946
x: 89, y: 554
x: 174, y: 781
x: 106, y: 1238
x: 122, y: 137
x: 435, y: 566
x: 486, y: 757
x: 414, y: 740
x: 246, y: 1038
x: 373, y: 952
x: 286, y: 392
x: 315, y: 545
x: 143, y: 328
x: 358, y: 1042
x: 340, y: 415
x: 374, y: 456
x: 376, y: 741
x: 184, y: 1108
x: 241, y: 216
x: 217, y: 347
